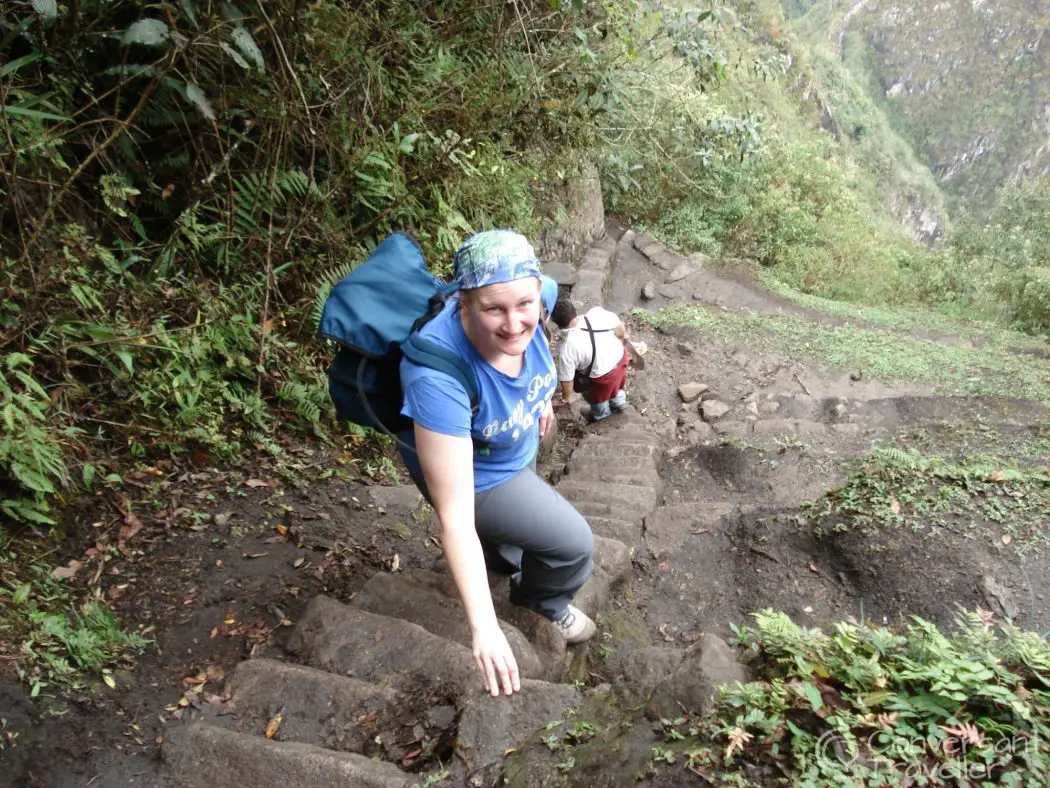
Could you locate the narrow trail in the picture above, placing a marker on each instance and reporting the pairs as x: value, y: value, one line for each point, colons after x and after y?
x: 693, y: 495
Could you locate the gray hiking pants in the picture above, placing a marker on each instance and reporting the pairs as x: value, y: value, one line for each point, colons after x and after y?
x: 529, y: 532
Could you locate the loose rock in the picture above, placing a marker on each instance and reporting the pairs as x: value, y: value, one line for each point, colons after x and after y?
x: 649, y: 291
x: 690, y: 392
x: 713, y: 409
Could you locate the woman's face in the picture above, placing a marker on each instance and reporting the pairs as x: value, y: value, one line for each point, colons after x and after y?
x: 505, y: 316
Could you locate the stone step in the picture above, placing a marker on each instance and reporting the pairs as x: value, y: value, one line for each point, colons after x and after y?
x: 597, y: 468
x: 612, y: 564
x: 669, y: 527
x: 629, y: 496
x: 636, y: 451
x: 398, y: 596
x: 611, y: 528
x: 605, y: 244
x: 622, y: 432
x: 204, y: 756
x: 591, y: 509
x: 489, y: 727
x: 587, y: 295
x: 613, y: 557
x: 548, y: 644
x: 591, y: 277
x: 617, y: 477
x: 317, y: 707
x: 629, y: 417
x: 341, y: 639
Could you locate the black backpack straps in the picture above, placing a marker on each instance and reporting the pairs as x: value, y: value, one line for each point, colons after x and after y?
x: 434, y: 306
x: 594, y: 347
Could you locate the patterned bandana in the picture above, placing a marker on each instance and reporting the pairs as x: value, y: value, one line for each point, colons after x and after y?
x: 494, y: 256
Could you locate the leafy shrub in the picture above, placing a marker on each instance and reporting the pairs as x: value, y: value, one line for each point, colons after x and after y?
x: 32, y: 466
x: 866, y: 705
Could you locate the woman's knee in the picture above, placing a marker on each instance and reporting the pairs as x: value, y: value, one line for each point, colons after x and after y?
x: 578, y: 541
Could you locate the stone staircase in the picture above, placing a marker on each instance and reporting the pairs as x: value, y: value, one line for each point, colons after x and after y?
x: 387, y: 681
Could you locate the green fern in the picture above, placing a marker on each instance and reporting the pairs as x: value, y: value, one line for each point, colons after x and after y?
x: 307, y: 401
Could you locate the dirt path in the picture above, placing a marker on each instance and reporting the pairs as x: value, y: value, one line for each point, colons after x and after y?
x: 332, y: 592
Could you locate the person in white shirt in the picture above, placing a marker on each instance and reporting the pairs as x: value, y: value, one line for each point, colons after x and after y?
x: 592, y: 359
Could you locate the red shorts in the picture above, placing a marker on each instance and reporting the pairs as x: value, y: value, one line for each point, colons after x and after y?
x: 608, y: 385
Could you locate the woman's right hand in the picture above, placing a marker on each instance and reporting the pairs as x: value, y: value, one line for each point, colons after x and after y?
x: 494, y: 658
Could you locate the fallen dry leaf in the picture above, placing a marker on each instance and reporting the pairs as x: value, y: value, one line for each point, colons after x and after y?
x: 255, y: 483
x: 67, y: 571
x: 396, y: 563
x: 1007, y: 538
x: 222, y: 519
x: 132, y: 525
x: 738, y: 737
x: 274, y: 724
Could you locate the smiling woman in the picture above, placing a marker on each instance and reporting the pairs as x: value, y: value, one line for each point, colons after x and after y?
x: 477, y: 467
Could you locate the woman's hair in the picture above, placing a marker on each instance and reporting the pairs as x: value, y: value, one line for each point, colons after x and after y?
x: 564, y: 313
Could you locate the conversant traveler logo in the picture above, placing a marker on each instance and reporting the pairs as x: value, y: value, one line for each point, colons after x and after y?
x: 962, y: 754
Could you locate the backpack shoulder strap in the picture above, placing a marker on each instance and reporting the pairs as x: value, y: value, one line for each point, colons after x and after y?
x: 594, y: 347
x: 431, y: 355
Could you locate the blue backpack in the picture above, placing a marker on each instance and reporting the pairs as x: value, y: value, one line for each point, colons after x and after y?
x: 374, y: 314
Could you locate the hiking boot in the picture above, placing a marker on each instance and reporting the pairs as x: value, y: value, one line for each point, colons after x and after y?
x: 575, y: 626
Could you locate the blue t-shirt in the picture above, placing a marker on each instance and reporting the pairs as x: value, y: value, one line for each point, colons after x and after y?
x: 509, y: 408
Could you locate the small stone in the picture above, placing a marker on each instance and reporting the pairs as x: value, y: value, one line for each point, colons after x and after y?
x: 684, y: 348
x: 681, y: 272
x: 690, y: 392
x: 628, y: 237
x: 649, y: 291
x: 840, y: 411
x: 752, y: 408
x: 855, y: 375
x: 713, y: 409
x: 698, y: 296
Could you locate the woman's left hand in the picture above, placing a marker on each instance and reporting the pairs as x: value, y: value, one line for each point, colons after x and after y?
x: 546, y: 419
